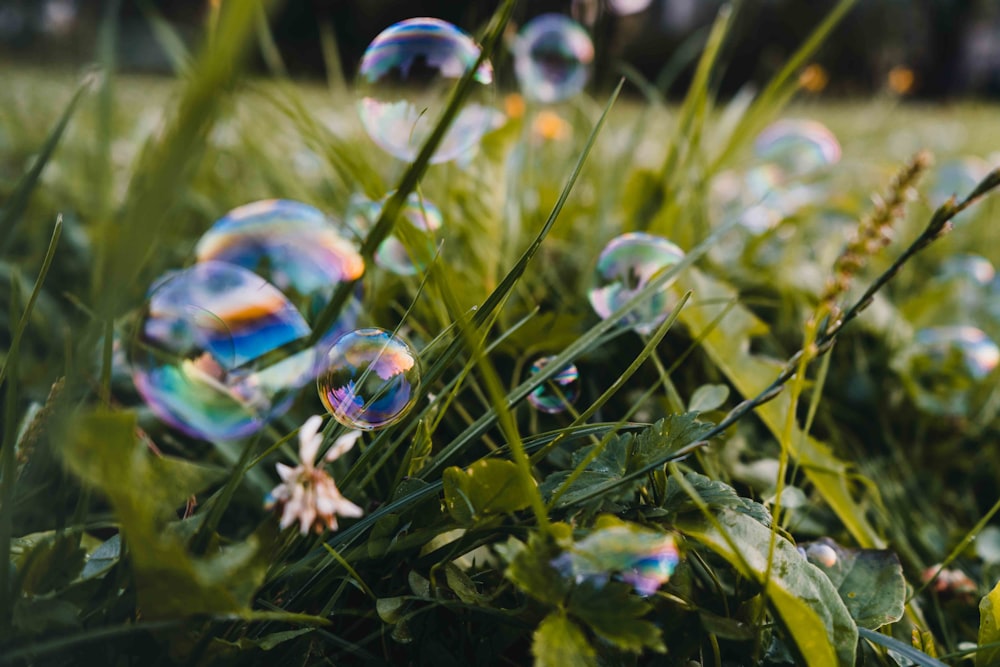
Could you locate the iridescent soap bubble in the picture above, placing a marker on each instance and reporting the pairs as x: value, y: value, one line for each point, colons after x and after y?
x: 799, y: 147
x: 559, y: 391
x: 643, y: 558
x: 552, y: 58
x: 625, y: 266
x: 958, y: 178
x: 370, y: 380
x: 945, y: 366
x: 295, y: 247
x: 419, y: 212
x: 404, y: 81
x: 196, y: 355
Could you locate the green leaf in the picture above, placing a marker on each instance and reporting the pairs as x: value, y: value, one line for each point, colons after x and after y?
x: 488, y: 486
x: 52, y: 565
x: 103, y: 558
x: 869, y: 581
x: 102, y: 450
x: 559, y: 642
x: 803, y: 598
x: 615, y: 613
x: 622, y: 455
x: 708, y: 397
x: 713, y: 493
x: 727, y: 343
x: 989, y: 628
x: 530, y: 567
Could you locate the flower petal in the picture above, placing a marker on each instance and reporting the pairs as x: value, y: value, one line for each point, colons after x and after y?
x: 342, y: 445
x: 310, y: 439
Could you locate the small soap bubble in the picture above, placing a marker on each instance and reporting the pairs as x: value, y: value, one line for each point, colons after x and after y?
x: 559, y: 391
x: 370, y: 380
x: 194, y: 359
x: 419, y: 212
x: 552, y: 58
x: 945, y: 366
x: 821, y: 553
x: 405, y: 78
x: 293, y: 246
x: 798, y: 147
x: 625, y: 266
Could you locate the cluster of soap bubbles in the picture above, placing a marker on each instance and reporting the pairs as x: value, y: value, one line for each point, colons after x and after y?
x: 791, y: 157
x: 207, y: 356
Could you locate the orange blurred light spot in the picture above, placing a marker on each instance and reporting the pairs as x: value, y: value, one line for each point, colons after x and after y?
x: 814, y: 78
x: 513, y: 105
x: 901, y: 80
x: 550, y: 126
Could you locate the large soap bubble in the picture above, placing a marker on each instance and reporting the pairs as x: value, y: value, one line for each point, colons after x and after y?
x: 404, y: 82
x: 196, y: 353
x: 295, y: 247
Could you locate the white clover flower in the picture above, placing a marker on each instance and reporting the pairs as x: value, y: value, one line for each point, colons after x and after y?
x: 307, y: 494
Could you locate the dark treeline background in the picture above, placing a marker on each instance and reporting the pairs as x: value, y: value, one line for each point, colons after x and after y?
x: 951, y: 46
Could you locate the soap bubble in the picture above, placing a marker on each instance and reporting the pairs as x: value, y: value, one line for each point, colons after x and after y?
x: 625, y: 266
x: 370, y: 380
x: 552, y: 57
x: 293, y: 246
x: 555, y: 395
x: 419, y: 212
x: 957, y: 177
x: 645, y: 559
x: 404, y: 82
x: 798, y: 147
x: 194, y: 358
x: 945, y: 366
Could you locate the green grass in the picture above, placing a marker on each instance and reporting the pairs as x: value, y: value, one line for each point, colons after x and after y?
x: 475, y: 503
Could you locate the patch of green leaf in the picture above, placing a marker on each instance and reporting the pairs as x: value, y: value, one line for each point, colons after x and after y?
x: 559, y: 641
x: 103, y: 451
x: 529, y: 567
x: 487, y: 487
x: 870, y: 581
x: 804, y: 600
x: 714, y: 494
x: 604, y: 469
x: 614, y: 612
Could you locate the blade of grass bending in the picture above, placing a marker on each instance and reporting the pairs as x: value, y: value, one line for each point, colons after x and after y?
x: 17, y: 203
x: 918, y: 657
x: 22, y: 323
x: 781, y: 88
x: 390, y: 210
